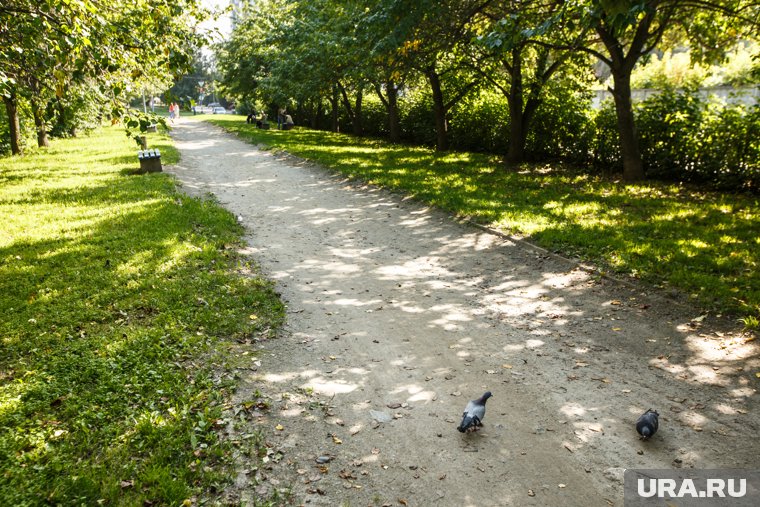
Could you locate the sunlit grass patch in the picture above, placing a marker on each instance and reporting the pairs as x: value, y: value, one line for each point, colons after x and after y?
x: 705, y: 244
x: 121, y: 301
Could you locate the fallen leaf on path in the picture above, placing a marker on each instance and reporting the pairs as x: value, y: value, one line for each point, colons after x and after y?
x: 279, y: 427
x: 345, y: 474
x: 531, y: 493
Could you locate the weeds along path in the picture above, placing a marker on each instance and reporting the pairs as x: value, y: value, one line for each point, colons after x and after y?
x: 398, y: 314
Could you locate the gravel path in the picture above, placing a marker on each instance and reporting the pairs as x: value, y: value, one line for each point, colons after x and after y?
x: 398, y: 314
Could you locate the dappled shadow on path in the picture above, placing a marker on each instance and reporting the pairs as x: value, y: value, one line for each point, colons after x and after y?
x: 393, y: 304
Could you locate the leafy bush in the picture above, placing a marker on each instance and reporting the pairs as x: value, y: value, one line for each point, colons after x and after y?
x: 480, y: 123
x: 562, y: 127
x: 374, y: 116
x: 605, y: 151
x: 417, y: 118
x: 668, y: 124
x: 686, y: 138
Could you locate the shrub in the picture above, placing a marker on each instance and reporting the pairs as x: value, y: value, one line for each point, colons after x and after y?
x: 605, y: 149
x: 685, y: 138
x: 563, y: 126
x: 480, y: 122
x: 668, y: 124
x: 416, y: 117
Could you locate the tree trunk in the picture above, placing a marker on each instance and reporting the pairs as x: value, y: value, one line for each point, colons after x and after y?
x: 39, y: 123
x: 393, y: 117
x: 516, y: 150
x: 439, y: 109
x: 633, y: 166
x: 358, y: 115
x: 334, y: 103
x: 11, y: 108
x: 317, y: 124
x: 355, y: 112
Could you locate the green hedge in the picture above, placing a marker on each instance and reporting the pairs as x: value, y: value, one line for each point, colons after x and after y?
x: 684, y: 137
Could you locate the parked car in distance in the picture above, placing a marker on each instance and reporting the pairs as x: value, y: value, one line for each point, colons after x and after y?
x: 219, y: 110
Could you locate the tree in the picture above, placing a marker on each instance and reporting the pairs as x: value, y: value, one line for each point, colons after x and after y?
x: 629, y: 29
x: 428, y: 36
x: 516, y: 54
x: 52, y: 44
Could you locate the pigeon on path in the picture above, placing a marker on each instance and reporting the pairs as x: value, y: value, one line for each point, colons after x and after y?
x: 474, y: 412
x: 647, y: 424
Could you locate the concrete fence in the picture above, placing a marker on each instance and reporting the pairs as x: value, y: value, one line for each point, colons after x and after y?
x: 747, y: 95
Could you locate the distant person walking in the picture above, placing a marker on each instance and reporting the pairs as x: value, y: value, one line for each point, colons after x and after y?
x: 281, y: 117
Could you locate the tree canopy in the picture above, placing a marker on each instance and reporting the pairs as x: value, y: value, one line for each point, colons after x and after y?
x: 71, y: 52
x: 448, y: 53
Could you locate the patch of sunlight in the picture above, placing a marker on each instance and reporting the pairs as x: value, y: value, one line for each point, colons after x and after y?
x: 356, y: 302
x: 151, y: 419
x: 675, y: 215
x: 9, y: 403
x: 285, y: 377
x: 693, y: 246
x: 573, y: 410
x: 329, y: 387
x: 177, y: 252
x: 706, y: 375
x: 525, y: 224
x: 729, y: 240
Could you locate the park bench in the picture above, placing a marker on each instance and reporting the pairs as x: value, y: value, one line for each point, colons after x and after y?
x: 150, y: 160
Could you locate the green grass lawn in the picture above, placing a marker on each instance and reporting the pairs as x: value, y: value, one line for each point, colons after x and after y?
x: 122, y: 302
x: 706, y: 245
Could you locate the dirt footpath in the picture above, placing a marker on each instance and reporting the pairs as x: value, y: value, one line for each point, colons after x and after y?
x: 398, y: 314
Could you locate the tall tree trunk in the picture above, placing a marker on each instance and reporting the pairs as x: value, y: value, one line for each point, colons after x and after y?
x: 355, y: 112
x: 390, y: 101
x: 39, y: 122
x: 38, y: 113
x: 358, y: 112
x: 334, y: 103
x: 11, y: 108
x: 621, y: 65
x: 393, y: 116
x: 439, y: 109
x: 516, y: 150
x: 317, y: 124
x: 633, y: 165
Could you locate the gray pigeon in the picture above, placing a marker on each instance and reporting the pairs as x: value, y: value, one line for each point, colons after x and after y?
x: 647, y: 424
x: 474, y: 412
